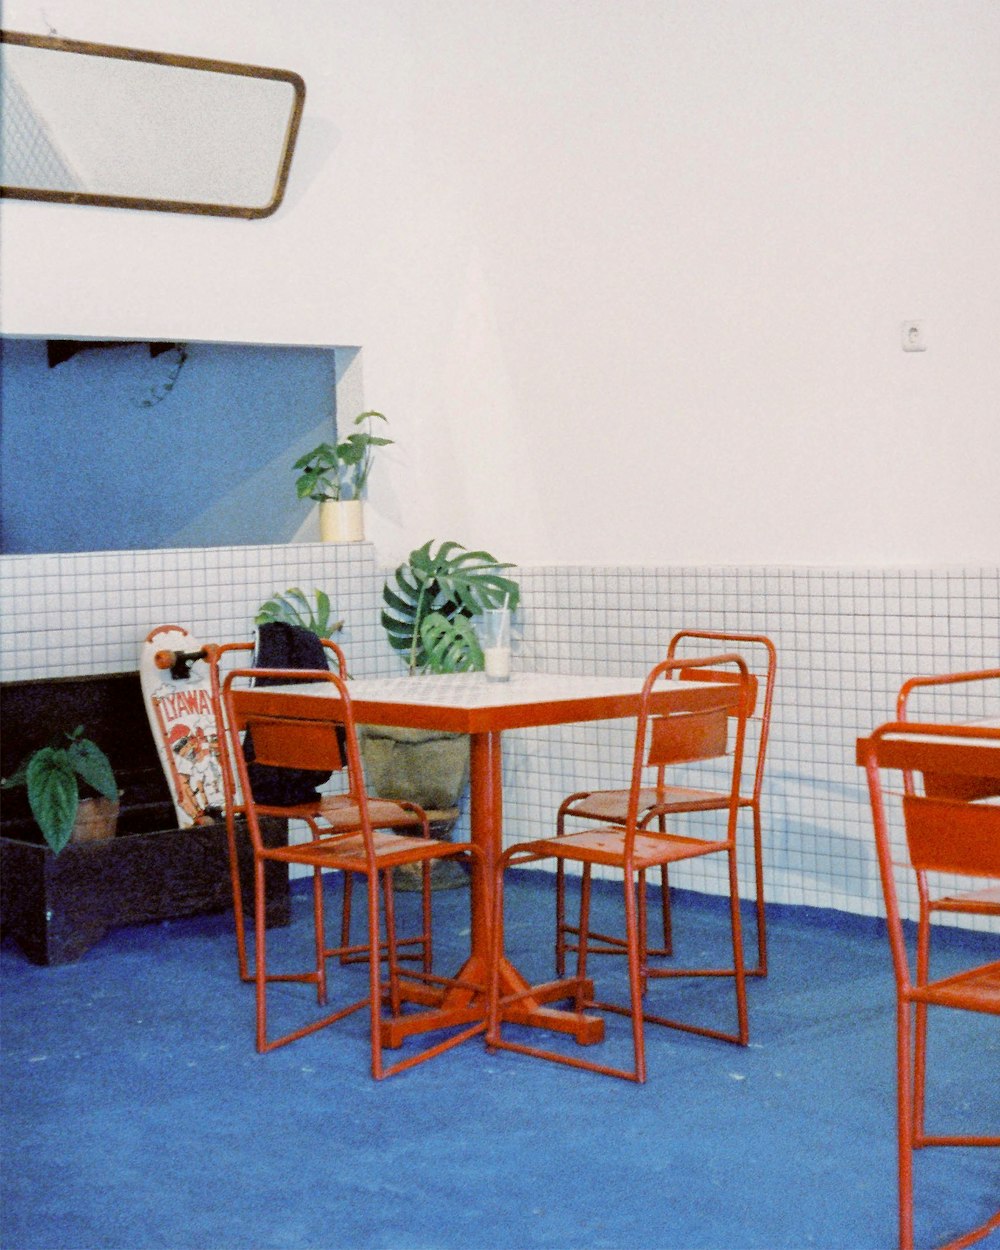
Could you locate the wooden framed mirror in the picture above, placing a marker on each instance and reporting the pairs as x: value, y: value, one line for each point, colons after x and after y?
x: 89, y: 123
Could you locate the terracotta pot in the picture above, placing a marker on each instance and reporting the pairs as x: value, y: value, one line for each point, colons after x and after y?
x: 96, y: 820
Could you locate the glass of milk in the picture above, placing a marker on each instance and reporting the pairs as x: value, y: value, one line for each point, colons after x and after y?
x: 494, y: 637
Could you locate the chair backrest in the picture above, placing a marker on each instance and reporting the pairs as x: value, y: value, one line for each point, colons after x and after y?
x: 953, y: 835
x: 970, y: 684
x: 762, y: 656
x: 313, y: 731
x: 214, y: 653
x: 673, y: 730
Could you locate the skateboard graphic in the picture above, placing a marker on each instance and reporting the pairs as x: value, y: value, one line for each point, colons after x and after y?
x: 177, y: 690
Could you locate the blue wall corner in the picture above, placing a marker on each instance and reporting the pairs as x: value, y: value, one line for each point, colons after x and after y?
x: 115, y: 449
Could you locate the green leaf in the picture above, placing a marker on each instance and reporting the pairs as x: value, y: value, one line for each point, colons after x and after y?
x: 53, y: 795
x: 451, y: 646
x: 94, y: 767
x: 293, y: 608
x: 322, y: 613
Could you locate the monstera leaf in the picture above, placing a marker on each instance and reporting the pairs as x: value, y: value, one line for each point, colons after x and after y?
x: 450, y: 646
x: 453, y: 584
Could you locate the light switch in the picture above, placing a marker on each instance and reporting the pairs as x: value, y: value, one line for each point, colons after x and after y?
x: 914, y: 339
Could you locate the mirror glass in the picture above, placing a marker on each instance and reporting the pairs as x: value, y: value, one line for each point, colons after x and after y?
x: 89, y: 123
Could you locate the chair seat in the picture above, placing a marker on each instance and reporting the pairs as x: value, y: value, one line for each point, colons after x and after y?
x: 978, y: 989
x: 613, y: 804
x: 976, y: 902
x: 348, y: 853
x: 340, y: 813
x: 607, y: 846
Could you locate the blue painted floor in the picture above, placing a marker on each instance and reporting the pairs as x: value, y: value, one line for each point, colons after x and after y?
x: 137, y: 1115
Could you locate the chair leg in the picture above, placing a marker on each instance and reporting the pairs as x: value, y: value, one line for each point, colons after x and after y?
x: 920, y: 1023
x: 758, y: 856
x: 635, y: 977
x: 668, y: 932
x: 260, y: 956
x: 390, y: 942
x: 583, y: 937
x: 236, y: 884
x: 319, y: 935
x: 739, y: 971
x: 904, y: 1112
x: 560, y: 919
x: 345, y: 917
x: 374, y: 977
x: 425, y: 912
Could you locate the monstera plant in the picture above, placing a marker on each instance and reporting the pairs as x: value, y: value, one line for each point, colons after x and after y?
x: 431, y: 599
x: 429, y: 603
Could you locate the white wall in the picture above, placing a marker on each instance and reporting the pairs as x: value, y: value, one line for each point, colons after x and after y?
x: 628, y: 274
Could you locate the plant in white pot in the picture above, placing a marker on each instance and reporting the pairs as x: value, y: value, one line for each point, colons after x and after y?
x: 53, y: 775
x: 335, y: 475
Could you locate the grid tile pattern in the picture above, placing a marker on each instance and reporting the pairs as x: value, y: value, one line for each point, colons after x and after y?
x: 846, y: 640
x: 68, y: 615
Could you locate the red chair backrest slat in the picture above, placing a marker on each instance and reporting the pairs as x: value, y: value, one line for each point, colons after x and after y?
x: 689, y: 736
x: 948, y: 786
x: 724, y: 678
x: 284, y: 743
x: 948, y: 835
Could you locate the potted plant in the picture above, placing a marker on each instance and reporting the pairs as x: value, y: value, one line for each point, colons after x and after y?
x: 53, y: 775
x: 293, y: 608
x: 335, y: 475
x: 430, y: 601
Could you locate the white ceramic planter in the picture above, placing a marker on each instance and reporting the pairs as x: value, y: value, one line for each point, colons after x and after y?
x: 341, y: 521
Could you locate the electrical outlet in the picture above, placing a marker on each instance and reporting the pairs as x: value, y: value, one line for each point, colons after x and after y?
x: 914, y: 339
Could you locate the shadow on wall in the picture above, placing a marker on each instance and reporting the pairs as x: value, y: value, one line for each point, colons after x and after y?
x: 128, y: 445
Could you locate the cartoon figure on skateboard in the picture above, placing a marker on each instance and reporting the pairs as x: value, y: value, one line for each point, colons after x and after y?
x: 176, y: 686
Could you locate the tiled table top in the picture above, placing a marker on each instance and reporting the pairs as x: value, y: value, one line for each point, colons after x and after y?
x: 469, y: 703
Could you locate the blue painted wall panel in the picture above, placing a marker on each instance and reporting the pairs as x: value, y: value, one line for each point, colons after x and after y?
x: 114, y: 449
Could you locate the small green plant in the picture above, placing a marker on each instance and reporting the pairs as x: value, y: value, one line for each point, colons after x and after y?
x: 53, y: 775
x: 340, y: 471
x: 430, y: 601
x: 293, y: 608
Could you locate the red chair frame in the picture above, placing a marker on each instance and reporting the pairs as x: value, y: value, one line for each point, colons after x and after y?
x: 385, y: 815
x: 662, y: 800
x: 663, y: 732
x: 946, y: 831
x: 318, y: 732
x: 985, y: 902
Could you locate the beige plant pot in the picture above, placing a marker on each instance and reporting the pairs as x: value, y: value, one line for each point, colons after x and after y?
x: 428, y: 767
x: 96, y: 820
x: 342, y: 521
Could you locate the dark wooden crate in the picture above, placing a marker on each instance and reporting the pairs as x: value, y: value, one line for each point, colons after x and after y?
x: 57, y: 906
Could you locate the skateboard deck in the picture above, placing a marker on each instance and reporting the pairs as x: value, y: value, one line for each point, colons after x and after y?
x: 177, y: 691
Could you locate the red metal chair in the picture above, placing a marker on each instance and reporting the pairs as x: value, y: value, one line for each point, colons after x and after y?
x: 384, y: 815
x: 660, y: 800
x: 948, y: 829
x: 981, y: 902
x: 669, y: 730
x: 317, y: 731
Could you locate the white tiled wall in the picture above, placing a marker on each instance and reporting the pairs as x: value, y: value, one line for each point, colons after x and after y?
x: 62, y: 615
x: 846, y: 640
